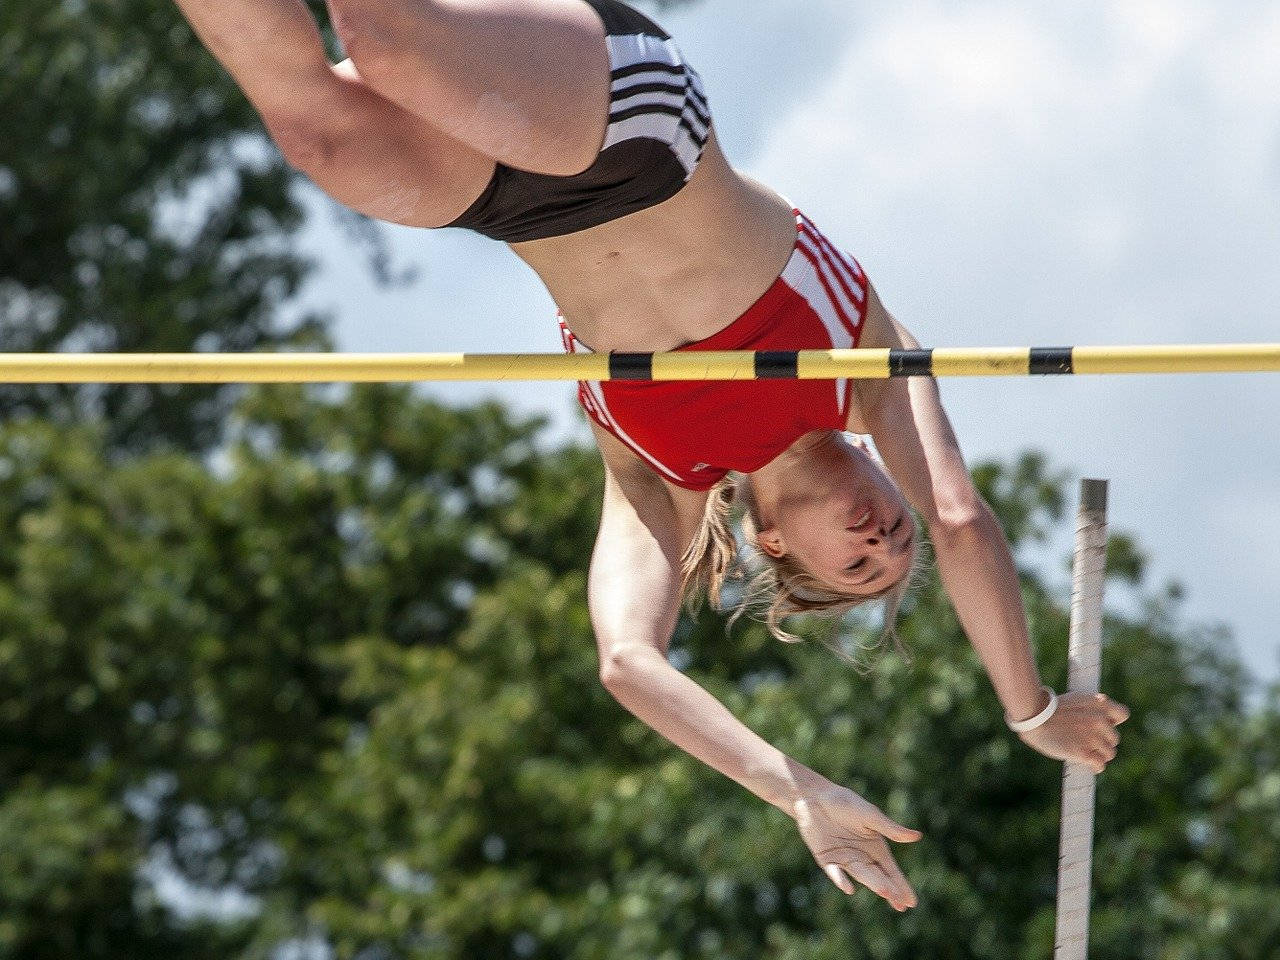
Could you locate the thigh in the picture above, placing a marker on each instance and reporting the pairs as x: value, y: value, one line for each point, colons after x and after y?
x: 359, y: 147
x: 375, y: 157
x: 525, y: 82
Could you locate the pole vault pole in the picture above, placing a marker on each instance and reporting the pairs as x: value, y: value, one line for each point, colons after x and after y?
x: 1084, y: 654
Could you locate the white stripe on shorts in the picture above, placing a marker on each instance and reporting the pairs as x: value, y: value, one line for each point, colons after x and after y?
x: 626, y: 50
x: 686, y: 134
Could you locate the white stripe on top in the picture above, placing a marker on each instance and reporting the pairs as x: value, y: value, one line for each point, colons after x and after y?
x: 845, y: 266
x: 598, y: 405
x: 593, y: 388
x: 839, y: 287
x: 804, y: 278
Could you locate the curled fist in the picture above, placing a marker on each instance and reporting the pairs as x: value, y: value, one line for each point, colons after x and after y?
x: 1082, y: 730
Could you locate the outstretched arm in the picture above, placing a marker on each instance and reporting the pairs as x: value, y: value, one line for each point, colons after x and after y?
x: 915, y: 439
x: 634, y: 596
x: 635, y: 599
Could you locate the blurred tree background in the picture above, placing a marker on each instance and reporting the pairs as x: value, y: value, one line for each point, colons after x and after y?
x: 289, y: 672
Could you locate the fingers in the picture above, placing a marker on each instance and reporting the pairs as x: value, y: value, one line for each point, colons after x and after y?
x: 906, y: 897
x: 1090, y: 761
x: 832, y: 870
x: 872, y: 866
x: 1094, y: 706
x: 1107, y: 740
x: 889, y: 884
x: 1117, y: 713
x: 893, y: 830
x: 1093, y: 752
x: 1097, y: 718
x: 871, y: 877
x: 1096, y: 756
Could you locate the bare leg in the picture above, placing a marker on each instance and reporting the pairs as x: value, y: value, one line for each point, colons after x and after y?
x: 360, y: 148
x: 523, y: 81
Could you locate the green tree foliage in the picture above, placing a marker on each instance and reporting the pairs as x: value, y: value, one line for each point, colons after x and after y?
x: 345, y: 668
x: 175, y: 639
x: 141, y: 209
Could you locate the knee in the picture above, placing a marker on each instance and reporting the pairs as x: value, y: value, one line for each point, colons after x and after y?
x: 305, y: 144
x: 372, y: 33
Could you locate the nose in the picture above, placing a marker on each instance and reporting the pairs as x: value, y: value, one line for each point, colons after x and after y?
x: 874, y: 535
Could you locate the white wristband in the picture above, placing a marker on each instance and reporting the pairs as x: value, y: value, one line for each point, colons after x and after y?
x: 1022, y: 726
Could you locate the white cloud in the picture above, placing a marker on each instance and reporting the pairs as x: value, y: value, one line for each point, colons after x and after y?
x: 1028, y: 173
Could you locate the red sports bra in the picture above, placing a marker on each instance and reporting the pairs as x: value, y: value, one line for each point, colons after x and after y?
x: 693, y: 433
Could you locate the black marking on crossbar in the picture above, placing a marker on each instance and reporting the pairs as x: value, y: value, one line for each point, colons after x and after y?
x: 911, y: 363
x: 1051, y: 360
x: 631, y: 366
x: 777, y: 365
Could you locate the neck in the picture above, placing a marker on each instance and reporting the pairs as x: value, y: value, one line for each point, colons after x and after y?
x: 801, y: 471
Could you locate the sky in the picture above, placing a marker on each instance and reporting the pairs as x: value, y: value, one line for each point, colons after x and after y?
x: 1010, y: 174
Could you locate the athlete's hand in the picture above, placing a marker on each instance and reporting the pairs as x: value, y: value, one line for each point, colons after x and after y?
x: 1082, y: 730
x: 846, y: 835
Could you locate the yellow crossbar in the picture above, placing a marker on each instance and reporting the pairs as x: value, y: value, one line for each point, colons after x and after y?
x: 680, y: 365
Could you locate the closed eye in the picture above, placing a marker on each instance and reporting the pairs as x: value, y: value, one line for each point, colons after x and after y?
x: 911, y: 533
x: 854, y: 566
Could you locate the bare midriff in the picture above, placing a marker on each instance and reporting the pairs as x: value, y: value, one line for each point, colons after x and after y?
x: 673, y: 273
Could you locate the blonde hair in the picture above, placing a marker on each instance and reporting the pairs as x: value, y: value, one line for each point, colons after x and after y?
x: 776, y: 586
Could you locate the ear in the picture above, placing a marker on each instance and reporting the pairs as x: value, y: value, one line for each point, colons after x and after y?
x: 770, y: 541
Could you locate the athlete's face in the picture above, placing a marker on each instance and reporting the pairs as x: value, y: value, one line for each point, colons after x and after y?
x: 851, y: 528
